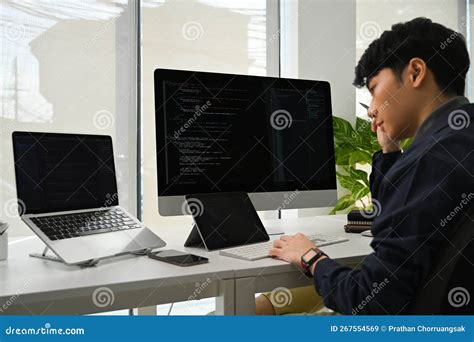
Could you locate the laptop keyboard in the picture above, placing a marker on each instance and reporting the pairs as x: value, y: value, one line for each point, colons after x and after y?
x: 59, y: 227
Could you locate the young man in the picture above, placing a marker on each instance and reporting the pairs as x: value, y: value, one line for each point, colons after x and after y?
x: 416, y: 75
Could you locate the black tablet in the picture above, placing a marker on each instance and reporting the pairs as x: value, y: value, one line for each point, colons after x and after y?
x: 226, y: 219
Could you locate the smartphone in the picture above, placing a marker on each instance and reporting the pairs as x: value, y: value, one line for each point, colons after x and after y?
x: 178, y: 258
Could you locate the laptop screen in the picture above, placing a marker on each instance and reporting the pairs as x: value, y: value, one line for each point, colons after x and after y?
x: 58, y: 172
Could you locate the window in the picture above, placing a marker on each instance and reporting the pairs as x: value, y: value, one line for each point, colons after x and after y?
x: 207, y: 35
x: 67, y: 66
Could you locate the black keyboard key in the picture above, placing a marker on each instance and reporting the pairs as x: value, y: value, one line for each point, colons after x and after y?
x: 60, y: 227
x: 96, y: 231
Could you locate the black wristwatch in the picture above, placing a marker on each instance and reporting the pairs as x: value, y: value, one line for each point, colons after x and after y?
x: 306, y: 264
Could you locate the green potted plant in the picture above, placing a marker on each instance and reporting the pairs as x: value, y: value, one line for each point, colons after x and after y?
x: 354, y: 147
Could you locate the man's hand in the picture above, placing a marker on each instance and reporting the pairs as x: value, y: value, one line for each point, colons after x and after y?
x: 291, y: 248
x: 386, y: 143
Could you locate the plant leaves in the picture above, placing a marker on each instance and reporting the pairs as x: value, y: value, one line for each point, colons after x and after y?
x: 359, y: 175
x: 346, y: 181
x: 404, y: 144
x: 361, y: 192
x: 343, y: 153
x: 361, y: 157
x: 362, y: 125
x: 353, y: 146
x: 343, y: 131
x: 344, y: 202
x: 363, y: 133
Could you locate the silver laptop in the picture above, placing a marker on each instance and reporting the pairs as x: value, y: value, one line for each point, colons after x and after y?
x: 67, y: 194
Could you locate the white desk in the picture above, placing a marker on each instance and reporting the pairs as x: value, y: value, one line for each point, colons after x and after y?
x: 39, y: 287
x: 268, y: 274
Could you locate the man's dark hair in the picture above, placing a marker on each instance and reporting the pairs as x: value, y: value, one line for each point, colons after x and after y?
x: 442, y: 49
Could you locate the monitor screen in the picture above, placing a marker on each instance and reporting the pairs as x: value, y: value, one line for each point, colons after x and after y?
x: 59, y: 172
x: 221, y: 132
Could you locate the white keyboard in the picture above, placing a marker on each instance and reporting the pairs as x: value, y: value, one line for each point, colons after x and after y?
x: 260, y: 250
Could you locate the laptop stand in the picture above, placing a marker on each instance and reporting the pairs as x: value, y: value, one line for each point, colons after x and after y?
x: 87, y: 263
x: 44, y: 256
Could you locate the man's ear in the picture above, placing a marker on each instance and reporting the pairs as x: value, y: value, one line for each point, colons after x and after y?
x: 416, y: 72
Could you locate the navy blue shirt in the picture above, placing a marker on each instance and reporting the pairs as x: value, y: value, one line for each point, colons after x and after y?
x: 421, y: 192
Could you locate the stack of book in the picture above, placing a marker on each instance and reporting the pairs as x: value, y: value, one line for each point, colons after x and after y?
x: 359, y: 221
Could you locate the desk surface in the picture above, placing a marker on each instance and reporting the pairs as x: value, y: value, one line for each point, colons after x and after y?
x: 36, y: 280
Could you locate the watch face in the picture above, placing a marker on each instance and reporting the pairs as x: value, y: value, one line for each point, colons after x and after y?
x: 308, y: 255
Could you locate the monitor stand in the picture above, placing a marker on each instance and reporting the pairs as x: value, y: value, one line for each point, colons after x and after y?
x: 275, y: 231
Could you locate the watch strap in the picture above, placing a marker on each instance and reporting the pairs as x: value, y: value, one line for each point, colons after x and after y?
x: 306, y: 265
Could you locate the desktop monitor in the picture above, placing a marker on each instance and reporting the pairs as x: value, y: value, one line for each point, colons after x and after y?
x: 270, y: 137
